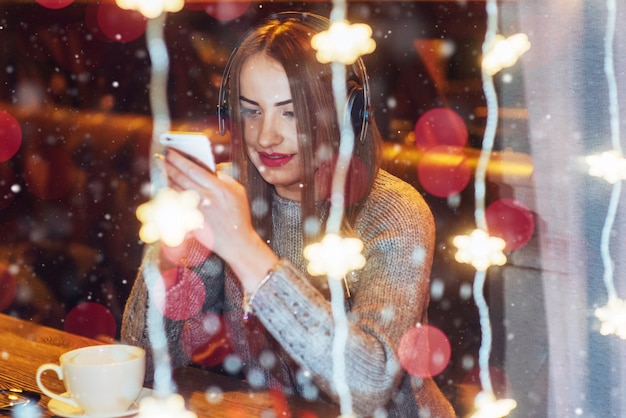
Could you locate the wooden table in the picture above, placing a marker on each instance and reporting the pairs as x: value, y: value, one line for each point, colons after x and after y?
x: 25, y: 345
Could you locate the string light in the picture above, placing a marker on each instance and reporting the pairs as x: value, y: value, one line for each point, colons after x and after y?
x: 169, y: 216
x: 171, y: 406
x: 343, y: 42
x: 612, y: 316
x: 334, y: 256
x: 610, y: 166
x: 503, y: 52
x: 151, y: 8
x: 480, y: 250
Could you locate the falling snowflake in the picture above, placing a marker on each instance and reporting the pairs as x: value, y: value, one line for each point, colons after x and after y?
x: 343, y: 43
x: 334, y: 256
x: 480, y: 250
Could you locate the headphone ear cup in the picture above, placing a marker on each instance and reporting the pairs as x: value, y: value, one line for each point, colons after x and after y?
x: 356, y: 109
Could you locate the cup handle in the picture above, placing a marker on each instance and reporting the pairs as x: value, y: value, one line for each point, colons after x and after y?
x: 57, y: 369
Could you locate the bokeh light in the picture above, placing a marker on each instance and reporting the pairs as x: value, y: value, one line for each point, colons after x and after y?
x: 223, y: 10
x: 440, y: 126
x: 444, y: 170
x: 151, y: 8
x: 10, y: 136
x: 179, y: 296
x: 8, y: 185
x: 55, y: 4
x: 91, y: 320
x: 480, y: 249
x: 424, y: 351
x: 343, y: 42
x: 612, y: 317
x: 120, y: 25
x: 8, y: 287
x: 499, y: 380
x: 510, y: 220
x: 172, y: 406
x: 204, y: 339
x: 334, y: 256
x: 49, y: 172
x: 169, y: 216
x: 504, y: 52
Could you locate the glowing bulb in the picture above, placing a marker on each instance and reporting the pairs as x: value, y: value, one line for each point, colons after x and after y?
x: 613, y: 318
x: 170, y: 407
x: 609, y: 165
x: 151, y: 8
x: 480, y: 250
x: 504, y: 52
x: 487, y: 406
x: 343, y: 42
x: 169, y: 216
x: 334, y: 256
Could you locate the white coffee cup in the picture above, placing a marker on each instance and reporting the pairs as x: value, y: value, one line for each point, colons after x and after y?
x: 102, y: 380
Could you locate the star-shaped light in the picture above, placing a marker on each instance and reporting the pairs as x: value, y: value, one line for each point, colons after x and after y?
x: 609, y: 165
x: 151, y: 8
x: 171, y: 407
x: 169, y: 216
x: 343, y: 42
x: 487, y: 406
x: 504, y: 52
x: 613, y: 317
x: 334, y: 256
x: 480, y: 250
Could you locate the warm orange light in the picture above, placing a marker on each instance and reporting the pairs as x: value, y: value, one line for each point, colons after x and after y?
x: 151, y: 8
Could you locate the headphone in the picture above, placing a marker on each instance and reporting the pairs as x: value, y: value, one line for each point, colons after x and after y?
x: 358, y: 104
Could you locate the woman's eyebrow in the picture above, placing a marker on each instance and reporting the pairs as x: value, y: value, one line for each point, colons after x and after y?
x: 253, y: 103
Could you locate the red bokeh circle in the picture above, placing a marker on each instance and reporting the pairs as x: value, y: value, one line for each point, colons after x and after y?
x: 120, y: 25
x: 179, y: 296
x: 424, y: 351
x: 204, y: 339
x: 91, y: 320
x: 226, y: 10
x: 444, y: 170
x: 55, y: 4
x: 440, y: 126
x: 512, y: 221
x: 10, y: 136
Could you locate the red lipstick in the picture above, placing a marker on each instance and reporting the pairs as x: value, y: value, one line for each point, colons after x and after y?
x: 274, y: 159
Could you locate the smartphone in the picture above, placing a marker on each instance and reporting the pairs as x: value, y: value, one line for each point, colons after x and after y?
x: 194, y: 144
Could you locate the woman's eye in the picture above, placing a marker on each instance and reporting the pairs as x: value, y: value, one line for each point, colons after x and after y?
x: 289, y: 114
x: 248, y: 113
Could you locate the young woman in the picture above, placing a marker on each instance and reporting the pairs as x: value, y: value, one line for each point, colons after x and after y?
x: 275, y: 200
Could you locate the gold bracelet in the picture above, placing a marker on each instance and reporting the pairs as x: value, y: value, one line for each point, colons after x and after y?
x: 249, y: 297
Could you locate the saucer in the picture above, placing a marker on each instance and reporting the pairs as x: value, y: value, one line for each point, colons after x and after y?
x: 66, y: 410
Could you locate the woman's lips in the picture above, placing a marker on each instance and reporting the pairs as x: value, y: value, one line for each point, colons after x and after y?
x: 274, y: 159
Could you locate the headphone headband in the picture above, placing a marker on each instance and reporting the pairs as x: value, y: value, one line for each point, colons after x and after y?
x: 359, y: 102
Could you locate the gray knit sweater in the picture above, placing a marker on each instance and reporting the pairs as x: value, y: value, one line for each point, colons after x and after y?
x: 290, y: 345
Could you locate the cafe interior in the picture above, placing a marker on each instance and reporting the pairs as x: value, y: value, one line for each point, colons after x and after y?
x: 529, y: 152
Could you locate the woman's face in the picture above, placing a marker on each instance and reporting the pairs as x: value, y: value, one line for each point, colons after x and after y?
x: 269, y: 124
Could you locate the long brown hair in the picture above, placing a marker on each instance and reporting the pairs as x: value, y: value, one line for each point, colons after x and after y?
x: 288, y: 41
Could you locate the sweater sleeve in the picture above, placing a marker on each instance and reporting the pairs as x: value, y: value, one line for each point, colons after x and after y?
x: 175, y: 296
x: 389, y: 296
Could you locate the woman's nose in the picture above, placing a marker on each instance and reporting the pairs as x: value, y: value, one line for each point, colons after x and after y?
x: 268, y: 134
